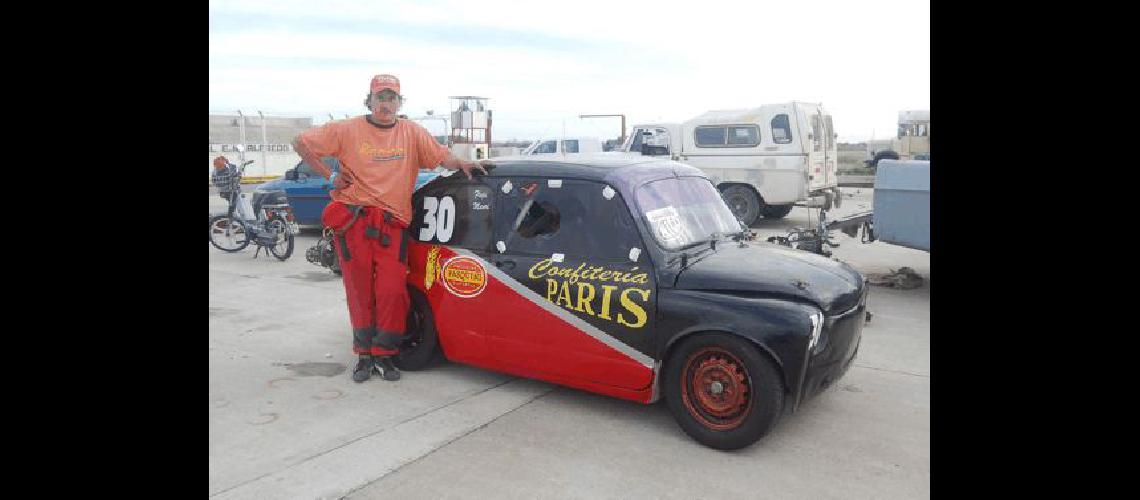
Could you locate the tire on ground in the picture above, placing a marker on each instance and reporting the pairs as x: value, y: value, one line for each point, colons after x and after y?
x: 764, y: 397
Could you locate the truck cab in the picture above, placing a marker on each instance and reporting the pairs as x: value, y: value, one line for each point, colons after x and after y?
x: 911, y: 143
x: 564, y: 146
x: 763, y: 159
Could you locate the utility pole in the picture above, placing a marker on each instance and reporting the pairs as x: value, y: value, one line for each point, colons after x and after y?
x: 622, y: 140
x: 241, y: 133
x: 264, y: 142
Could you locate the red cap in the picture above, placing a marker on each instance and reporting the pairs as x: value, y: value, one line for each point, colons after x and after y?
x: 382, y: 82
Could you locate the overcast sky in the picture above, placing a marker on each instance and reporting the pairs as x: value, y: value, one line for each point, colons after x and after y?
x: 544, y: 63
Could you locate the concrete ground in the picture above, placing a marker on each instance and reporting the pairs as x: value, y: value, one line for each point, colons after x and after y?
x: 286, y: 420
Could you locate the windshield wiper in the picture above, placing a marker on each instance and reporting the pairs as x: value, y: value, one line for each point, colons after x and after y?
x: 716, y: 235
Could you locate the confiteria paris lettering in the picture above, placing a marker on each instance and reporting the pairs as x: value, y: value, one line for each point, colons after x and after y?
x: 558, y: 281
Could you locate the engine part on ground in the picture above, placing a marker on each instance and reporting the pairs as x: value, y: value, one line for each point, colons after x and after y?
x: 904, y: 278
x: 323, y: 253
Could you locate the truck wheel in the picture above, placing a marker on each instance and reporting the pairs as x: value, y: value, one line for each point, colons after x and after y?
x: 420, y: 347
x: 743, y: 202
x: 776, y: 211
x: 723, y: 391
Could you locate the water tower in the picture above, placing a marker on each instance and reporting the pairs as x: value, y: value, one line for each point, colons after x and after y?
x: 470, y: 127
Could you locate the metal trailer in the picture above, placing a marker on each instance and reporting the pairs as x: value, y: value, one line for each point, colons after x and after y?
x: 901, y: 214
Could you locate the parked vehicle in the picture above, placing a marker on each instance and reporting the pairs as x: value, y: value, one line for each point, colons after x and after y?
x: 564, y: 145
x: 308, y: 191
x: 912, y: 142
x: 629, y: 277
x: 901, y: 215
x: 763, y: 159
x: 266, y: 220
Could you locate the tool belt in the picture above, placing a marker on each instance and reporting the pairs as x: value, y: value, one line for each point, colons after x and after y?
x: 370, y: 232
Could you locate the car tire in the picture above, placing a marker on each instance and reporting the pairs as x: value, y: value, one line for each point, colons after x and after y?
x: 420, y: 347
x: 751, y: 392
x: 744, y: 203
x: 776, y: 211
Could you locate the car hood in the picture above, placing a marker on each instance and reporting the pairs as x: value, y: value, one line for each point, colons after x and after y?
x: 772, y: 269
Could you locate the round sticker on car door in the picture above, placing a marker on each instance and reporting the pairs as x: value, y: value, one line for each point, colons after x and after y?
x: 463, y: 276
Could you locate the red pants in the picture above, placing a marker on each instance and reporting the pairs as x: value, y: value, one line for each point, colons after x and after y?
x: 375, y: 275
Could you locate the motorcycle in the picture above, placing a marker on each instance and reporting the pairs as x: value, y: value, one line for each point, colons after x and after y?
x: 265, y: 220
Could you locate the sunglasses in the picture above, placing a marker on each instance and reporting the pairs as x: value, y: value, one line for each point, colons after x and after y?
x: 387, y: 96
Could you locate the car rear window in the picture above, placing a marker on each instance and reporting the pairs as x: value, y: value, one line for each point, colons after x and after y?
x: 727, y: 136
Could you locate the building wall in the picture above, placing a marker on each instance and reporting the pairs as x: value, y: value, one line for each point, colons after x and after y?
x: 225, y: 133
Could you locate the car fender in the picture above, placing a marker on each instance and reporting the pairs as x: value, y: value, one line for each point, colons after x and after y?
x: 779, y: 327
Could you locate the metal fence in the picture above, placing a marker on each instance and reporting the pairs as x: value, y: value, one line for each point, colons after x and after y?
x: 267, y: 137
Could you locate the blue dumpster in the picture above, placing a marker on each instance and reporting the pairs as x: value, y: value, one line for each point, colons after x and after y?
x: 902, y: 203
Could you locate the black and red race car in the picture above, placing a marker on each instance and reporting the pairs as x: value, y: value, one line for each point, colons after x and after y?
x: 628, y: 277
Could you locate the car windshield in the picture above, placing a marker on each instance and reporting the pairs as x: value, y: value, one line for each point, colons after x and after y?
x: 683, y: 211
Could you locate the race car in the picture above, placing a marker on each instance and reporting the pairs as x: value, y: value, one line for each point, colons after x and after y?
x: 628, y: 277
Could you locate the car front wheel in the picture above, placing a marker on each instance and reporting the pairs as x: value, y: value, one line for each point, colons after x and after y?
x: 723, y: 391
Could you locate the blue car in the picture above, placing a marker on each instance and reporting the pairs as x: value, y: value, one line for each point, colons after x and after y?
x: 308, y: 192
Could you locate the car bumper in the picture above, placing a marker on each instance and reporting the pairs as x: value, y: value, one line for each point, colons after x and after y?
x: 842, y: 335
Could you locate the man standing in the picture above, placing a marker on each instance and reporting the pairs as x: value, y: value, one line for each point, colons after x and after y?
x: 380, y: 156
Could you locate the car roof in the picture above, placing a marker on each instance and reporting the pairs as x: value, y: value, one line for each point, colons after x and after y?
x: 613, y: 168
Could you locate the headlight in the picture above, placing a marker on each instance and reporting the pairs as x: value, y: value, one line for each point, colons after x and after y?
x: 816, y: 330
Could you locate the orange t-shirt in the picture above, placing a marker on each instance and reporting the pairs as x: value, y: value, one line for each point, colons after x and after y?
x: 383, y: 162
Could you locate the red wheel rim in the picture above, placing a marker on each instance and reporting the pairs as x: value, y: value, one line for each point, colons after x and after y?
x: 716, y: 388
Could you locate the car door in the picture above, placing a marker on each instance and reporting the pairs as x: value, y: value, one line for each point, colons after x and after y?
x: 832, y: 156
x: 570, y: 248
x: 451, y: 233
x: 817, y: 155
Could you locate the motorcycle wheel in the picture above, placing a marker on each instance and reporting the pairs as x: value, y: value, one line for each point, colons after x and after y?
x: 228, y: 234
x: 284, y: 247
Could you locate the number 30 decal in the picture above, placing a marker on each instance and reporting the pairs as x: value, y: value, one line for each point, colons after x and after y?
x: 440, y: 219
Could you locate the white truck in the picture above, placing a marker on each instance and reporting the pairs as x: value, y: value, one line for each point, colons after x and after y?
x: 564, y: 145
x: 912, y: 142
x: 763, y: 159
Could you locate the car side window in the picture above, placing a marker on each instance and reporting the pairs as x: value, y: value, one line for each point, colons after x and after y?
x: 579, y: 218
x: 546, y: 147
x: 781, y: 129
x: 635, y: 143
x: 453, y: 213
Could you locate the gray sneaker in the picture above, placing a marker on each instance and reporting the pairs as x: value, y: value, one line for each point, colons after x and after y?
x: 386, y: 369
x: 363, y: 369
